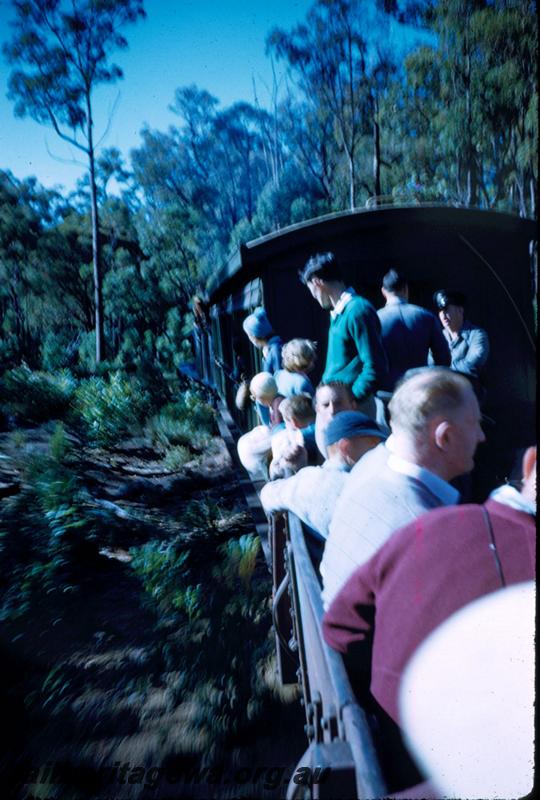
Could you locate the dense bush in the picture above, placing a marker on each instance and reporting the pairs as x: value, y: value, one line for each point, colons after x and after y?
x: 209, y: 620
x: 176, y: 457
x: 189, y: 421
x: 36, y: 396
x: 108, y: 408
x: 59, y: 350
x: 46, y: 531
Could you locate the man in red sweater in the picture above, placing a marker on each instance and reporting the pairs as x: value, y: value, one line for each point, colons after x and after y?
x: 423, y: 574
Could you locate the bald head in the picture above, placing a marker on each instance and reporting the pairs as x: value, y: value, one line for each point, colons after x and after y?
x: 429, y: 392
x: 435, y: 421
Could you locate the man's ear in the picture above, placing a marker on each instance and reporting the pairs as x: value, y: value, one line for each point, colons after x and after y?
x: 529, y: 462
x: 442, y: 434
x: 342, y: 447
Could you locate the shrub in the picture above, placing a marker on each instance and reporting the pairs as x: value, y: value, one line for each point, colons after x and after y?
x: 167, y: 576
x: 176, y: 457
x: 59, y: 350
x: 87, y: 351
x: 107, y: 409
x: 45, y: 531
x: 36, y: 396
x: 221, y: 626
x: 192, y: 406
x: 189, y: 421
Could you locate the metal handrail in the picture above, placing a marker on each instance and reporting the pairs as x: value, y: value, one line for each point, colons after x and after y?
x: 334, y: 716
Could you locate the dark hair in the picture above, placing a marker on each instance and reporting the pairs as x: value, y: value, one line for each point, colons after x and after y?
x: 443, y: 298
x: 323, y: 266
x: 394, y: 281
x: 339, y: 386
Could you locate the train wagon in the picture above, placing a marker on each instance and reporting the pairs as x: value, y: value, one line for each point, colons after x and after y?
x: 490, y: 256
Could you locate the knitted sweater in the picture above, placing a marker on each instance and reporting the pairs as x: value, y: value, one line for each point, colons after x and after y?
x: 424, y: 573
x: 355, y: 352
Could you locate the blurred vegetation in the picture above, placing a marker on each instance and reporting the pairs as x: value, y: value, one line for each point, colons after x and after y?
x: 107, y: 409
x: 53, y: 524
x: 32, y: 396
x: 48, y: 530
x: 214, y: 603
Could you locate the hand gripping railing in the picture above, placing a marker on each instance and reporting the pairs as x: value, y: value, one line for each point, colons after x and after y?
x: 341, y: 755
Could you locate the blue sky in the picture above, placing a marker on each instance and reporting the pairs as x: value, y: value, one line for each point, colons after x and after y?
x: 217, y: 44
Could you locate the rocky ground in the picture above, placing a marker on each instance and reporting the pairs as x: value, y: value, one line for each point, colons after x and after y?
x: 87, y: 688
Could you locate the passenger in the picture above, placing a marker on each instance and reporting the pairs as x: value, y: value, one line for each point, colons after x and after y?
x: 469, y: 345
x: 355, y: 351
x: 424, y: 573
x: 255, y: 447
x: 435, y: 422
x: 298, y: 358
x: 294, y: 445
x: 409, y: 332
x: 264, y: 390
x: 330, y: 398
x: 311, y: 494
x: 260, y: 333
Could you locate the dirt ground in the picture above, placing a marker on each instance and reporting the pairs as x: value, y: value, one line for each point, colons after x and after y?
x: 94, y: 710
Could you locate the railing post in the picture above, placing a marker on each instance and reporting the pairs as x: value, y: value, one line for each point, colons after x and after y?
x: 287, y: 662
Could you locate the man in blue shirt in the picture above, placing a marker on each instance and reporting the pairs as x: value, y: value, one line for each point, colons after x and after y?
x: 409, y: 332
x: 469, y: 345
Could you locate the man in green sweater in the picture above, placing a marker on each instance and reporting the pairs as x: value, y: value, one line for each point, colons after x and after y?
x: 355, y: 353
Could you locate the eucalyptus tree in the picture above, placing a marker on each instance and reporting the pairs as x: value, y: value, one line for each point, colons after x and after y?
x: 60, y: 51
x: 506, y: 32
x: 338, y: 65
x: 36, y: 228
x: 471, y: 99
x: 327, y: 59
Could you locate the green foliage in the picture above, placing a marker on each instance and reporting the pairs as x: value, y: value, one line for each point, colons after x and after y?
x: 165, y: 572
x: 46, y: 530
x: 108, y: 408
x: 176, y: 457
x: 36, y: 396
x: 222, y: 624
x: 87, y: 351
x: 240, y: 559
x: 58, y: 350
x: 191, y: 405
x: 189, y: 421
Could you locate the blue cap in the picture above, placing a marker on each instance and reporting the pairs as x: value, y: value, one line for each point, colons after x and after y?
x: 257, y: 324
x: 346, y: 424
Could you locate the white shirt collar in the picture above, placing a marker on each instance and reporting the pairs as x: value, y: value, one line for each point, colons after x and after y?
x: 509, y: 496
x: 344, y: 298
x: 394, y: 300
x: 438, y: 486
x: 336, y: 464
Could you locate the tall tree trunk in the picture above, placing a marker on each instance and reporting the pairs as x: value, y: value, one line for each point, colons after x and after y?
x: 470, y: 154
x: 376, y: 151
x: 352, y: 175
x: 96, y: 245
x: 472, y: 180
x: 520, y: 184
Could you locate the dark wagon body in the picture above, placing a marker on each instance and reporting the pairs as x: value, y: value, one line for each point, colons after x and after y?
x: 488, y: 255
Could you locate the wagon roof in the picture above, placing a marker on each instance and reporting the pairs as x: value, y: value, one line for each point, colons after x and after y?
x: 250, y: 258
